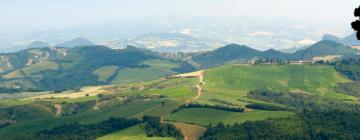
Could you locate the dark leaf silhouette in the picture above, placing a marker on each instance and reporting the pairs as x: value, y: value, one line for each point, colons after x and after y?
x: 356, y: 24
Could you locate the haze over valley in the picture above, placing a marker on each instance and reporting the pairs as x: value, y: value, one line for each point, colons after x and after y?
x: 179, y: 70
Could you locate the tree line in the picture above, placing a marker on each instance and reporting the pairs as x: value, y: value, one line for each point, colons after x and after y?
x: 197, y: 105
x: 75, y: 131
x: 307, y: 125
x: 154, y: 127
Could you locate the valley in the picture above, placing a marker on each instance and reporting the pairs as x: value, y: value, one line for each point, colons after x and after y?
x: 168, y: 95
x: 179, y: 70
x: 224, y: 86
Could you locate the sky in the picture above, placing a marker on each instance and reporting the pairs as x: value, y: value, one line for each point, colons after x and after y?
x: 33, y: 14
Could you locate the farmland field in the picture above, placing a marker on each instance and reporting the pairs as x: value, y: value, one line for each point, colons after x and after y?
x: 105, y: 73
x: 136, y: 132
x: 42, y: 66
x: 234, y: 81
x: 205, y: 116
x: 224, y: 86
x: 133, y: 75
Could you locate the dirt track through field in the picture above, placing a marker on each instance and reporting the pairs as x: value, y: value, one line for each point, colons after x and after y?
x: 198, y: 74
x: 58, y: 108
x: 198, y: 86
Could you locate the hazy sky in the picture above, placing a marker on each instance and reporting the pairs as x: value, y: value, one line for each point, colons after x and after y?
x: 29, y: 14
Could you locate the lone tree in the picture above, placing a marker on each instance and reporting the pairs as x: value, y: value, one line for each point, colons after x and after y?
x: 356, y: 24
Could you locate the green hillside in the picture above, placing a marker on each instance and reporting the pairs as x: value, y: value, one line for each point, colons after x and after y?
x: 104, y: 73
x: 324, y: 48
x: 289, y: 89
x: 68, y: 68
x: 204, y: 116
x: 226, y: 54
x: 240, y: 79
x: 136, y: 132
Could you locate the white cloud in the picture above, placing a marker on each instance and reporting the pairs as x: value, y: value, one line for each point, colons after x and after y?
x: 186, y: 31
x: 306, y: 42
x: 261, y: 33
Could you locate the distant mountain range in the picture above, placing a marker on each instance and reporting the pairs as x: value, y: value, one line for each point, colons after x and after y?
x: 350, y: 40
x: 58, y: 68
x: 236, y: 52
x: 76, y: 43
x: 170, y: 42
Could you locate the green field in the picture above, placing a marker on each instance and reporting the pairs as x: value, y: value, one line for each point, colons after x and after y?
x: 206, y: 116
x: 234, y: 81
x: 87, y: 117
x: 162, y: 65
x: 33, y: 69
x: 134, y: 75
x: 104, y: 73
x: 133, y: 133
x: 226, y: 85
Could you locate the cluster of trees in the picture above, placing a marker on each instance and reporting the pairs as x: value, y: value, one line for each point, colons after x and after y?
x: 16, y: 90
x: 307, y: 125
x: 75, y: 108
x: 352, y: 88
x: 197, y: 105
x: 4, y: 123
x: 300, y: 101
x: 154, y: 128
x: 27, y: 112
x: 269, y: 107
x: 270, y: 61
x: 349, y: 67
x: 86, y: 132
x: 75, y: 131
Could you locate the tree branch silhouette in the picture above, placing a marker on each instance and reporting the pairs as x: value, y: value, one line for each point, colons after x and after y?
x: 356, y: 24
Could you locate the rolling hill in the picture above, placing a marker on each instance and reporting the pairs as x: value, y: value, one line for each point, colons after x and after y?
x: 324, y: 48
x: 231, y: 85
x: 226, y: 54
x: 60, y: 68
x: 75, y: 67
x: 350, y: 40
x: 241, y: 53
x: 76, y: 42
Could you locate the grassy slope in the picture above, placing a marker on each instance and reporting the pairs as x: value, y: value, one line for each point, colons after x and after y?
x: 177, y: 89
x: 162, y: 65
x: 88, y: 117
x: 228, y: 83
x: 189, y: 131
x: 205, y: 116
x: 104, y: 73
x: 134, y: 75
x: 133, y: 133
x: 157, y: 68
x: 160, y: 110
x: 42, y: 66
x: 232, y: 82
